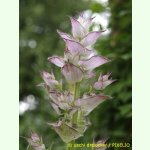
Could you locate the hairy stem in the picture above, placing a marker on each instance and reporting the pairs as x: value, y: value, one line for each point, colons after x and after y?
x: 75, y: 115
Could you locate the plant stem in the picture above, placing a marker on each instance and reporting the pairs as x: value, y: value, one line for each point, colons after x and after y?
x: 76, y: 95
x: 75, y: 115
x: 28, y: 147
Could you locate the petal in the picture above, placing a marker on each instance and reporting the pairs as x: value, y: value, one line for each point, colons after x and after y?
x: 100, y: 77
x: 88, y: 76
x: 58, y: 61
x: 60, y: 83
x: 45, y: 85
x: 46, y: 74
x: 81, y: 18
x: 55, y: 96
x: 64, y: 105
x: 86, y: 53
x: 102, y: 145
x: 93, y: 62
x: 92, y: 102
x: 52, y: 74
x: 34, y: 136
x: 103, y: 141
x: 67, y: 133
x: 77, y: 29
x: 52, y: 83
x: 64, y: 35
x: 68, y: 56
x: 69, y: 98
x: 29, y: 140
x: 76, y: 59
x: 48, y: 79
x: 86, y: 112
x: 87, y: 24
x: 72, y: 73
x: 108, y: 82
x: 105, y: 77
x: 73, y: 110
x: 90, y: 38
x: 98, y: 85
x: 42, y: 147
x: 74, y: 47
x: 56, y: 108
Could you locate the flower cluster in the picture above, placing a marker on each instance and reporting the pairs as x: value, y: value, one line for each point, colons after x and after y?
x: 77, y: 66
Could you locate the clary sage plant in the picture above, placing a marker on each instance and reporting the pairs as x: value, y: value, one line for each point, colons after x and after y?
x: 78, y: 67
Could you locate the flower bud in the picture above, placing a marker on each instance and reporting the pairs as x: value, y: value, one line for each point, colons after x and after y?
x: 35, y: 141
x: 103, y: 81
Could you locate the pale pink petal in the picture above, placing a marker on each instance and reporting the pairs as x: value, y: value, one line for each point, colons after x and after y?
x: 88, y: 75
x: 42, y: 147
x: 69, y: 98
x: 93, y: 62
x: 64, y: 105
x: 52, y: 74
x: 90, y: 38
x: 64, y: 35
x: 77, y: 29
x: 105, y: 77
x: 52, y: 83
x: 56, y: 108
x: 55, y: 96
x: 34, y: 136
x: 60, y: 83
x: 87, y: 24
x: 46, y: 74
x: 45, y: 85
x: 29, y: 140
x: 86, y: 112
x: 98, y: 85
x: 76, y: 59
x: 48, y: 79
x: 100, y: 77
x: 81, y: 18
x: 103, y: 141
x: 72, y: 73
x: 68, y: 56
x: 92, y: 102
x: 73, y: 110
x: 86, y: 53
x: 108, y: 82
x: 74, y: 47
x: 58, y: 61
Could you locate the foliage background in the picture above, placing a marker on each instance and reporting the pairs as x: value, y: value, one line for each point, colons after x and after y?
x: 38, y: 21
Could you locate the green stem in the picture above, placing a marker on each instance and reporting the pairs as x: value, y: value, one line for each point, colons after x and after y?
x: 75, y: 115
x: 28, y: 147
x: 76, y: 95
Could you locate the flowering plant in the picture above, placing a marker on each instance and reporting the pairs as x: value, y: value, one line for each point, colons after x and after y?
x: 77, y: 66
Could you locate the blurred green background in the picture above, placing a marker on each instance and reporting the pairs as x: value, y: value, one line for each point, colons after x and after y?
x: 38, y: 21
